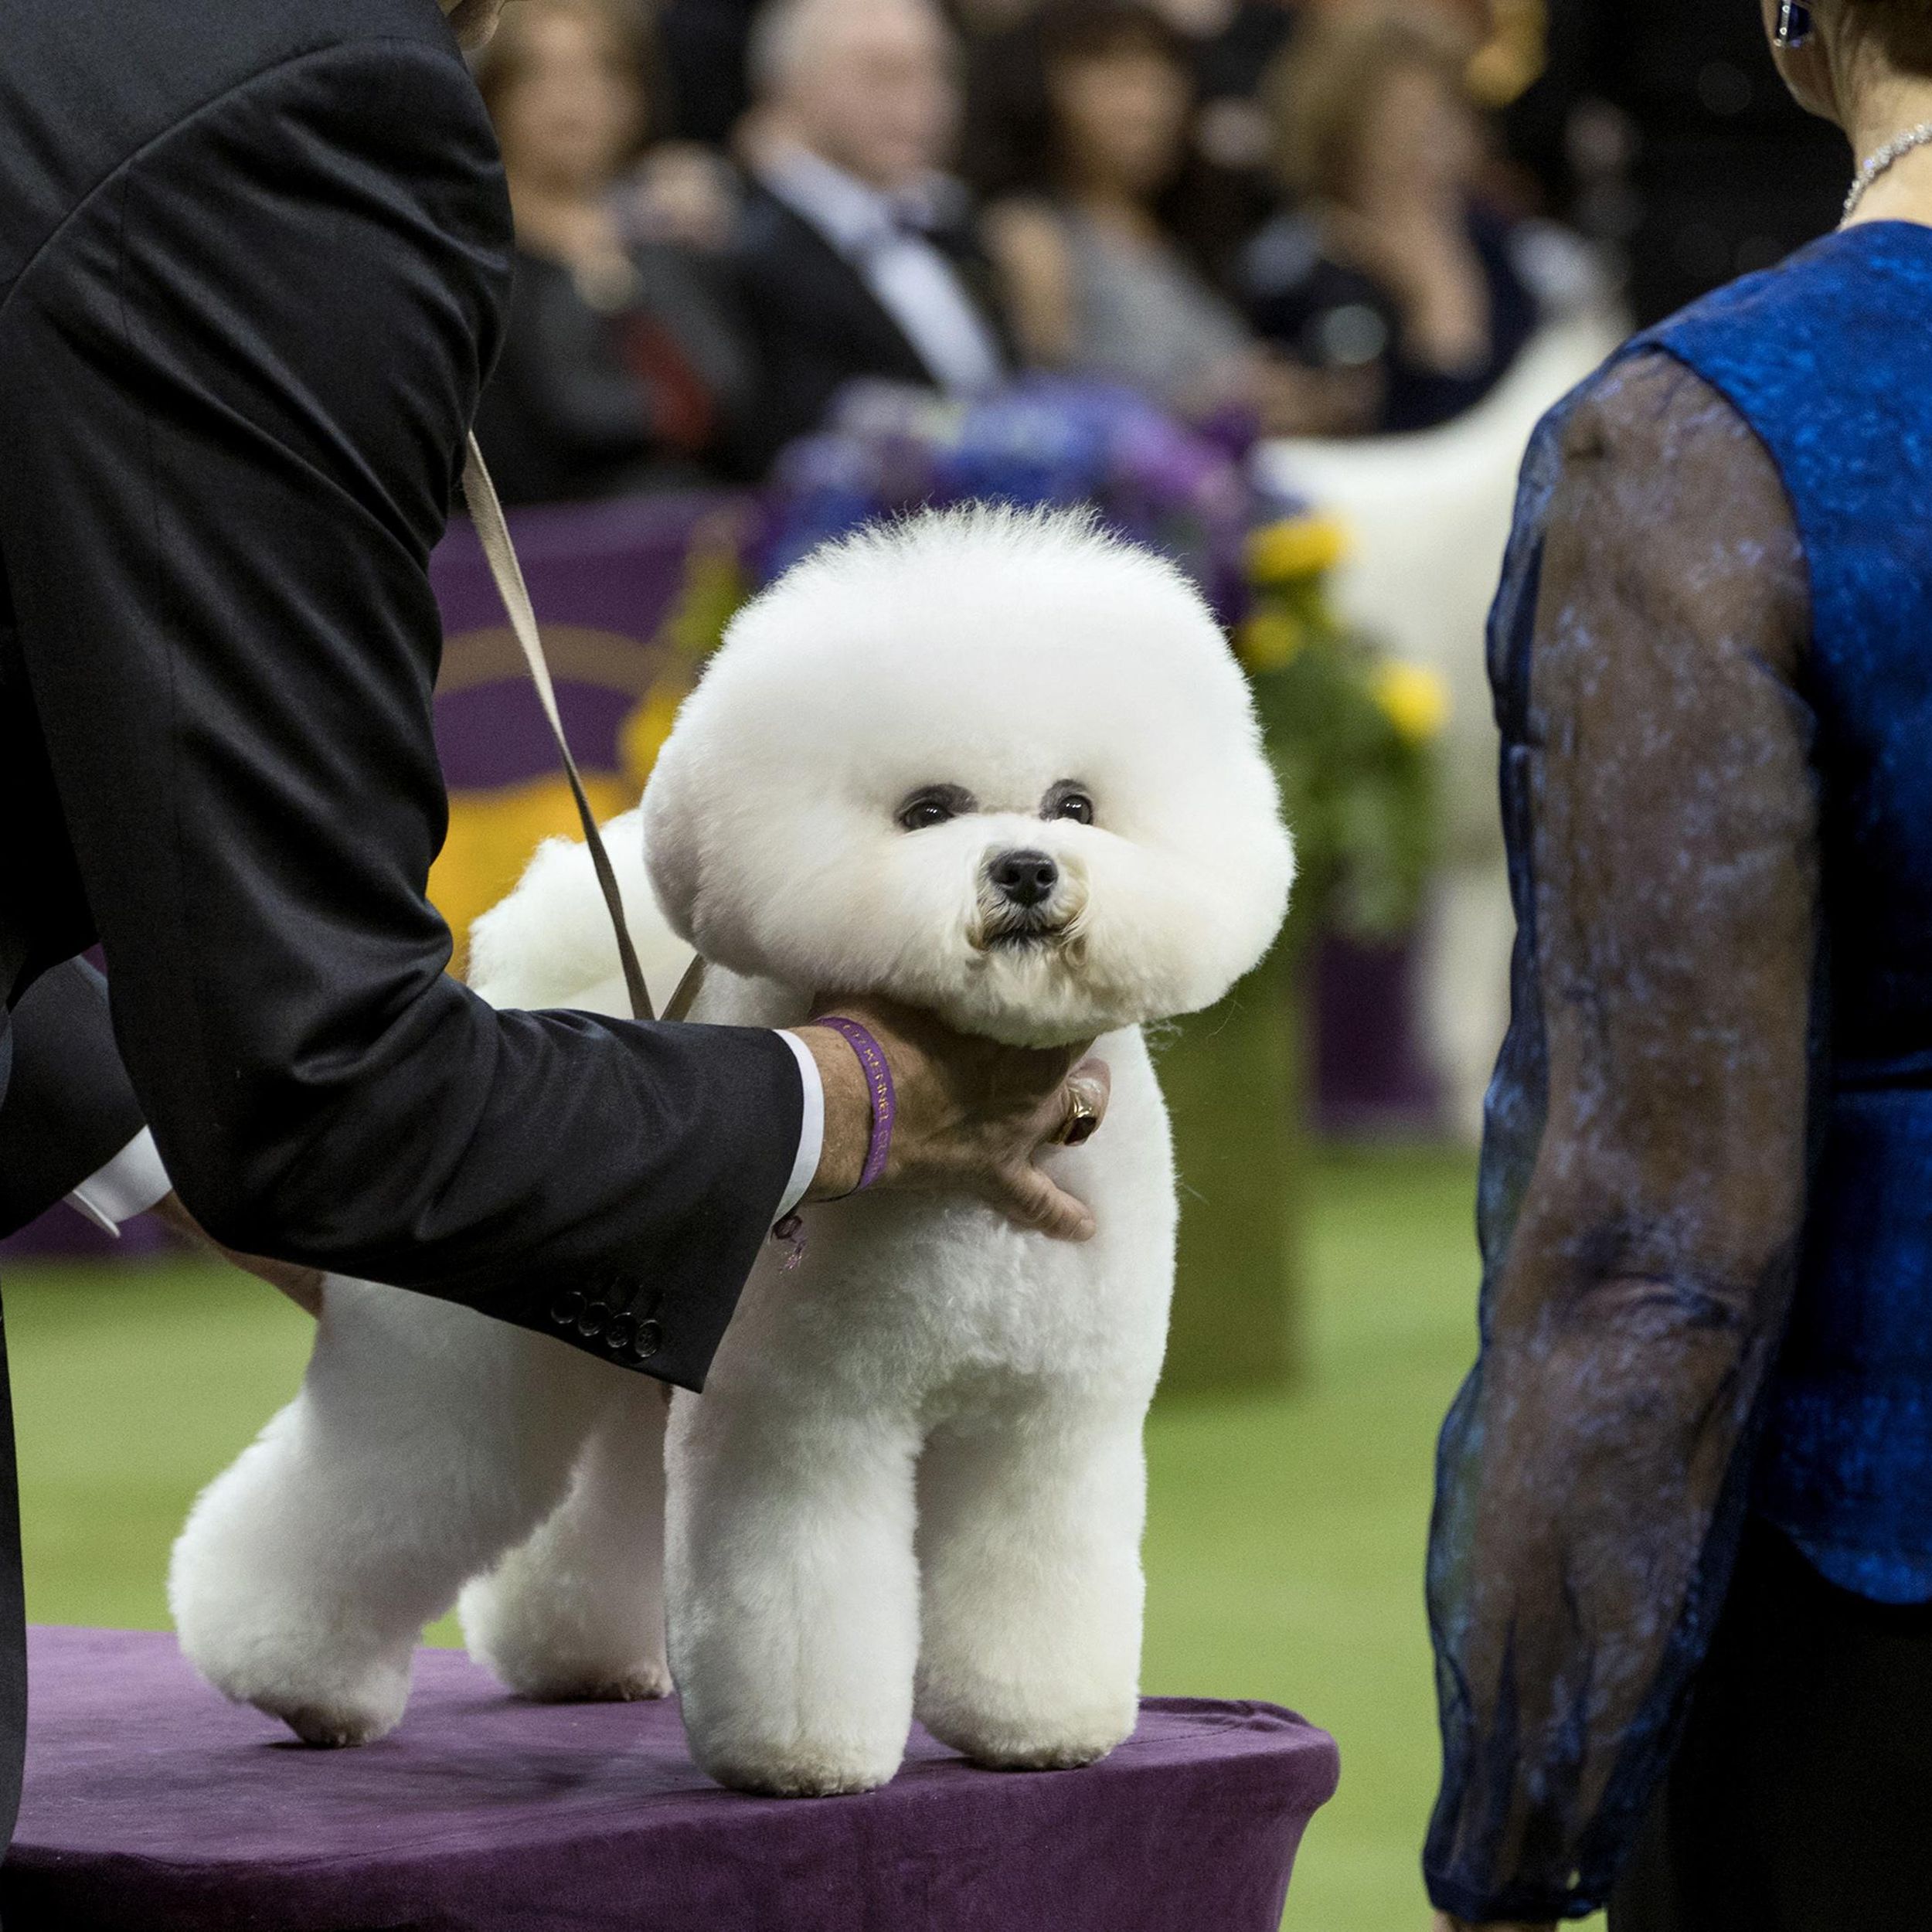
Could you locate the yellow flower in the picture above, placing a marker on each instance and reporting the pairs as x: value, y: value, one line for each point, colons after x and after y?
x: 1296, y: 547
x: 1415, y: 699
x: 1271, y: 640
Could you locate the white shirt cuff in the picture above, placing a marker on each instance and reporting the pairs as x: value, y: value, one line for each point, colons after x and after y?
x: 812, y: 1133
x: 134, y: 1180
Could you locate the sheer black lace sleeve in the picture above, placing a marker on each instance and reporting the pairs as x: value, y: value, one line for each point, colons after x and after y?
x: 1645, y: 1169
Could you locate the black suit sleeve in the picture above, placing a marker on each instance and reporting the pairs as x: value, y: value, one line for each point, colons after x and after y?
x: 813, y: 325
x: 69, y: 1108
x: 237, y: 384
x: 801, y: 370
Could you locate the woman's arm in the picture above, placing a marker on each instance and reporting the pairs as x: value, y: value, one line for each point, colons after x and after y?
x: 1644, y: 1187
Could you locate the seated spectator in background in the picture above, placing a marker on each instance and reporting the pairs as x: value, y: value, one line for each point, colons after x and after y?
x: 624, y: 368
x: 1086, y: 138
x: 1388, y: 266
x: 855, y: 256
x: 1235, y: 137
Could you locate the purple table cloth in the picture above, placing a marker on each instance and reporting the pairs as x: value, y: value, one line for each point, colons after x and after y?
x: 152, y: 1806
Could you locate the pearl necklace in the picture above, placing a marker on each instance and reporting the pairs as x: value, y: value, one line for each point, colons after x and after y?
x: 1883, y: 162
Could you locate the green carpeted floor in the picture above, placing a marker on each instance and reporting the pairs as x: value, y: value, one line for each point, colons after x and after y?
x: 1283, y: 1551
x: 1284, y: 1555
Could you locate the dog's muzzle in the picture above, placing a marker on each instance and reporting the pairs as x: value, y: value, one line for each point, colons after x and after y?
x: 1024, y: 900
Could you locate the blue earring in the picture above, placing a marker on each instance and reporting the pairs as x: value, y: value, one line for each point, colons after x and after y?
x: 1795, y: 24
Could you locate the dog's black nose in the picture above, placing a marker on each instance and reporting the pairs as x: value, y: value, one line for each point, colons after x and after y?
x: 1026, y: 878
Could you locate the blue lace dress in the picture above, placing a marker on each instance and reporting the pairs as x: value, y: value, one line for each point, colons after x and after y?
x: 1706, y: 1195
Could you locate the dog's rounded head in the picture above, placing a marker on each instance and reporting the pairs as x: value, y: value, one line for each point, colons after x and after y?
x: 996, y: 764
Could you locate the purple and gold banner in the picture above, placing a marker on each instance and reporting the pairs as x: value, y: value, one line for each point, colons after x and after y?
x: 633, y: 595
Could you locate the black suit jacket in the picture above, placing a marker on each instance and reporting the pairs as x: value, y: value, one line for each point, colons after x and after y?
x: 816, y: 325
x: 253, y: 255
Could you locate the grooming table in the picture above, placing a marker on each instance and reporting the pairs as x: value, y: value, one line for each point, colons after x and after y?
x: 152, y: 1806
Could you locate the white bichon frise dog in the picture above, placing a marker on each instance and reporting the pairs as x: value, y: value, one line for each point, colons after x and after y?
x: 998, y: 766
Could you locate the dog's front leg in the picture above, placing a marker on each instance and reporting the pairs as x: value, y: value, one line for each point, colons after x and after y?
x: 1030, y: 1522
x: 794, y: 1601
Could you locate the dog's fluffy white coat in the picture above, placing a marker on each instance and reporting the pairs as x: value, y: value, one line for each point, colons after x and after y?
x: 914, y: 1482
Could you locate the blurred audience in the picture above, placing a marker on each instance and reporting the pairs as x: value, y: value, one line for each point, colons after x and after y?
x: 1386, y: 262
x: 856, y: 256
x: 1231, y: 63
x: 623, y: 369
x: 1085, y: 140
x: 1274, y: 210
x: 682, y: 192
x: 1231, y: 185
x: 707, y: 46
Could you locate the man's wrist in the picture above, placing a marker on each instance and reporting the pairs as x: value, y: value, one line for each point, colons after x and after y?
x: 848, y: 1124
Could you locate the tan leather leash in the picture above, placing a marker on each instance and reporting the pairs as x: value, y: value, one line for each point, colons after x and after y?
x: 486, y: 511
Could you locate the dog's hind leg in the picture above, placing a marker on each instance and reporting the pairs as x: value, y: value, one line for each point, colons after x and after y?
x: 1029, y: 1534
x: 794, y: 1602
x: 425, y: 1441
x: 577, y: 1612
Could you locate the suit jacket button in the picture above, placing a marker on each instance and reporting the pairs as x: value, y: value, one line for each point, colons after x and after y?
x: 649, y: 1341
x: 591, y: 1322
x: 567, y: 1307
x: 619, y: 1336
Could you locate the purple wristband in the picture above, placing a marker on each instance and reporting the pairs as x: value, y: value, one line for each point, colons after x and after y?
x: 879, y: 1084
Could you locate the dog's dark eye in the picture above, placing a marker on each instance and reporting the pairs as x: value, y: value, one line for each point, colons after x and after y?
x: 1069, y: 801
x: 934, y: 805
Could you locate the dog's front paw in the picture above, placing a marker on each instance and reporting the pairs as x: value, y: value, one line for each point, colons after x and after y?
x: 801, y: 1779
x: 1022, y: 1740
x: 797, y: 1769
x: 339, y: 1723
x: 1038, y: 1754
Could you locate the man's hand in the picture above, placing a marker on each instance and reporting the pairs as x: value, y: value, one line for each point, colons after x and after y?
x: 972, y: 1114
x: 302, y: 1286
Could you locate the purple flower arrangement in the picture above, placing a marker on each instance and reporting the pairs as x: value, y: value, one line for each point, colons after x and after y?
x: 1044, y: 441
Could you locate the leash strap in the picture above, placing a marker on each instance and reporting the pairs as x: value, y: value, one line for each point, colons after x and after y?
x: 486, y: 512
